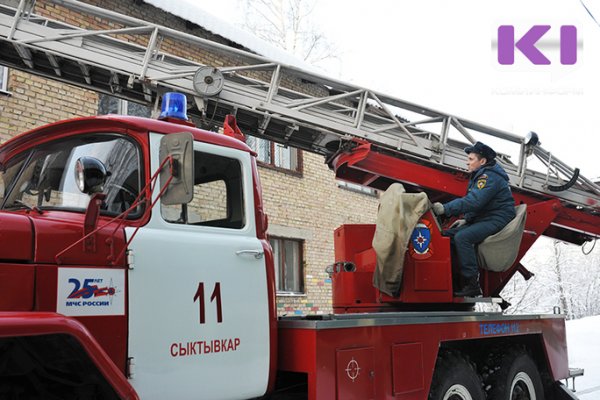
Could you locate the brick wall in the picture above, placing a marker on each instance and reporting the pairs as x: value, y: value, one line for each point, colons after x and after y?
x: 312, y: 203
x: 36, y: 101
x: 315, y: 204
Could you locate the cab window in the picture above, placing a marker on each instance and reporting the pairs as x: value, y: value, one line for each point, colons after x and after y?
x: 218, y: 195
x: 9, y: 174
x: 47, y: 179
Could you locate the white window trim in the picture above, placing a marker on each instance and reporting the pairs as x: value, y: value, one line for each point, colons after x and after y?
x: 4, y: 83
x: 287, y: 293
x: 280, y: 293
x: 288, y: 154
x: 123, y: 107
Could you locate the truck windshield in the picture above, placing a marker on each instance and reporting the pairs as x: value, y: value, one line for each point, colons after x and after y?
x: 47, y: 179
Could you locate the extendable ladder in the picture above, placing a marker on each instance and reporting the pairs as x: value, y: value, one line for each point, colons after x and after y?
x: 130, y: 59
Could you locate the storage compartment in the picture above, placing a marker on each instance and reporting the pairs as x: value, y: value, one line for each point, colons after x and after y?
x: 355, y: 377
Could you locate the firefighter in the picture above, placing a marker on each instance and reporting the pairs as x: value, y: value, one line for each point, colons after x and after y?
x: 486, y: 209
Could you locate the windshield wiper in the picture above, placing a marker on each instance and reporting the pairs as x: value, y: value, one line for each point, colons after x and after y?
x: 21, y: 204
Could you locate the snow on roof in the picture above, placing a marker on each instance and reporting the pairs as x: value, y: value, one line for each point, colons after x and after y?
x: 194, y: 13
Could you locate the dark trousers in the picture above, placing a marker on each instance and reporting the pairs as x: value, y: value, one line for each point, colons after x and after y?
x: 464, y: 240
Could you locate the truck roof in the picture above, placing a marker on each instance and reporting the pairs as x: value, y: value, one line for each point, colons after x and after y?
x: 83, y: 125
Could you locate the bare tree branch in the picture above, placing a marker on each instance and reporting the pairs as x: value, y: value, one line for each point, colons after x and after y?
x: 287, y: 24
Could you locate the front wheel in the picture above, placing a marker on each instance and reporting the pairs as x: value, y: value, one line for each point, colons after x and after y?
x: 515, y: 377
x: 455, y: 379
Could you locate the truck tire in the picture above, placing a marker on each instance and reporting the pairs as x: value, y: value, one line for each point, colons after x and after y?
x: 515, y: 377
x: 455, y: 378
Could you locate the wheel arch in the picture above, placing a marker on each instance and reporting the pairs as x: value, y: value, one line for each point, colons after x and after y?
x: 35, y: 342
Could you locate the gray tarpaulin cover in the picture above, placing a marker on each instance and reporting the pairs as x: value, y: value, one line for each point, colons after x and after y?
x: 397, y: 217
x: 498, y: 252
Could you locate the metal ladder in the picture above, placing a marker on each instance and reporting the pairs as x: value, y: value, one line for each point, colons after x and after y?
x: 270, y: 100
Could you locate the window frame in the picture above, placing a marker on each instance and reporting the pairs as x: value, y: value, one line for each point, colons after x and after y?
x: 26, y: 158
x: 4, y: 81
x: 122, y: 106
x: 271, y: 164
x: 245, y: 207
x: 278, y: 266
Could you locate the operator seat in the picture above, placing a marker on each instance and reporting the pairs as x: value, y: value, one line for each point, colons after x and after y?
x: 498, y: 252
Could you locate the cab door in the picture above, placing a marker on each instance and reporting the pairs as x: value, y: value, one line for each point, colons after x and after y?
x: 198, y: 302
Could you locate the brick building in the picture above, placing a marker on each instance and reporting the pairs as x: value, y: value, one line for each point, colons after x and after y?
x: 302, y: 198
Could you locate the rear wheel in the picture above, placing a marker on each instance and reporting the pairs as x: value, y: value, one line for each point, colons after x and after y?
x: 514, y: 377
x: 455, y: 378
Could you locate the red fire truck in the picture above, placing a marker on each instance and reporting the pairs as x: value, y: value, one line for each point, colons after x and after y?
x: 135, y: 260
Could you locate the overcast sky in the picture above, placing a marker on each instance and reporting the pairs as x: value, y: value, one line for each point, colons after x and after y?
x: 442, y: 54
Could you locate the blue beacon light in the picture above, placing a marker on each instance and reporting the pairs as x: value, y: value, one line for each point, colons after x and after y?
x: 174, y: 105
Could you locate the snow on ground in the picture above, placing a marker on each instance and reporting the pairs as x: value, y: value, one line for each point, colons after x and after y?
x: 583, y: 341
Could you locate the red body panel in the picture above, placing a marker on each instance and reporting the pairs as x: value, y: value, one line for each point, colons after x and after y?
x: 57, y: 230
x: 15, y: 237
x: 16, y: 280
x: 403, y: 347
x: 426, y: 278
x: 16, y: 287
x: 54, y: 232
x: 109, y: 331
x: 29, y: 324
x: 352, y: 243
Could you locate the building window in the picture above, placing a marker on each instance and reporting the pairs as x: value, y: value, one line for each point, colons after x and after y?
x: 113, y: 105
x: 289, y: 273
x: 357, y: 188
x: 275, y: 154
x: 3, y: 79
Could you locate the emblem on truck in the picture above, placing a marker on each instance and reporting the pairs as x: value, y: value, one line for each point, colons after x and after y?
x: 353, y: 370
x: 420, y: 241
x: 90, y: 291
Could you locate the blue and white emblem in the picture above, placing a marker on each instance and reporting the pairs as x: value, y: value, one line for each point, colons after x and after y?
x: 420, y: 240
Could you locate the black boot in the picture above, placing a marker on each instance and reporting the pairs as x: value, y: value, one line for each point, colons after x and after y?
x: 470, y: 288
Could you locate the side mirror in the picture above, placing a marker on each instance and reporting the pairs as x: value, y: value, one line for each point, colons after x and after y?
x: 181, y: 188
x: 90, y: 175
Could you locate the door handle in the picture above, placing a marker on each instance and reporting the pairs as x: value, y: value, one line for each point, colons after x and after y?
x: 256, y: 253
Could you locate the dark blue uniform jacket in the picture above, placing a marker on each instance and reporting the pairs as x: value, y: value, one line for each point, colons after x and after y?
x: 488, y: 197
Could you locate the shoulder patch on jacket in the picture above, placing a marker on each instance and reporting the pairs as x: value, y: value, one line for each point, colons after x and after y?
x: 481, y: 182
